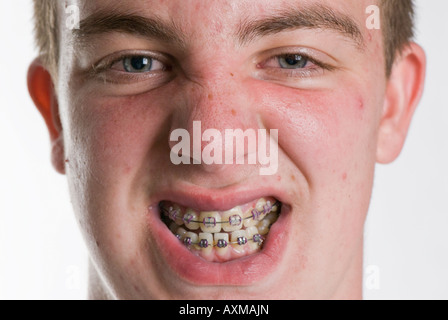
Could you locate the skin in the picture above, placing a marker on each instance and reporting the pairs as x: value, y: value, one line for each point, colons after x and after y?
x: 112, y: 142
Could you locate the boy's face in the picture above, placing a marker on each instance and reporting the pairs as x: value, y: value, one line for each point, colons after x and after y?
x: 230, y: 65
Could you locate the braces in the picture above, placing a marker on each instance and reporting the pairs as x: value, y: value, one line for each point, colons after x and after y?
x: 221, y: 243
x: 234, y: 220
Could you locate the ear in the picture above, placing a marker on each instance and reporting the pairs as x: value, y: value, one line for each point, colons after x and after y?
x: 403, y: 92
x: 41, y: 89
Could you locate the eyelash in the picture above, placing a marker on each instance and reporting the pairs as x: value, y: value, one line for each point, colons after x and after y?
x: 305, y: 72
x: 103, y: 68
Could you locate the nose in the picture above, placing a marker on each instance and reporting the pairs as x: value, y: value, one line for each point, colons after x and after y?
x: 215, y: 128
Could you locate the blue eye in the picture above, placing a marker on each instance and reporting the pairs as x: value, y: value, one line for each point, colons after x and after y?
x: 137, y: 64
x: 292, y: 61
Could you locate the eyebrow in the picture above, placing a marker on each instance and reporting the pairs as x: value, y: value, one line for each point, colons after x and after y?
x: 317, y: 16
x: 106, y: 21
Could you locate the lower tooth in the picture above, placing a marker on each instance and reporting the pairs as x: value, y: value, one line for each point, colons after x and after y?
x: 190, y: 238
x: 173, y: 227
x: 205, y: 241
x: 222, y: 244
x: 251, y: 232
x: 271, y: 217
x: 263, y: 227
x: 180, y: 232
x: 239, y: 240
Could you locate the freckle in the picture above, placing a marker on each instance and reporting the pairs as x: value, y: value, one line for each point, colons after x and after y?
x: 210, y: 96
x: 67, y: 161
x: 231, y: 74
x: 233, y: 112
x: 293, y: 177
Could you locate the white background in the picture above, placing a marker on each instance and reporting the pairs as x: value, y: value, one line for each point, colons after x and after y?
x: 42, y: 255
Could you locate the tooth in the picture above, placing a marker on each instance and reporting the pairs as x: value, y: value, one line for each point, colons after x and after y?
x: 189, y: 239
x: 173, y: 227
x: 211, y: 221
x: 263, y: 207
x: 180, y: 232
x: 251, y: 232
x: 271, y: 217
x: 190, y: 219
x: 222, y: 244
x: 237, y: 237
x: 175, y: 214
x: 263, y: 227
x: 205, y: 242
x: 249, y: 221
x: 239, y: 240
x: 232, y: 219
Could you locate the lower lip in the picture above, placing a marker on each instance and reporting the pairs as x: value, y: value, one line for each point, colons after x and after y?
x: 244, y: 271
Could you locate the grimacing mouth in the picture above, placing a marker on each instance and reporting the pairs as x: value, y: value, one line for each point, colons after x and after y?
x: 220, y: 236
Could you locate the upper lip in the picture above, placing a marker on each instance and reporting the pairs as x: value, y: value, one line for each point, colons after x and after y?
x: 204, y: 199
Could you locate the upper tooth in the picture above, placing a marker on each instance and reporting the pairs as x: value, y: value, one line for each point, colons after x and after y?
x: 249, y: 221
x: 190, y: 219
x: 211, y: 221
x: 175, y: 214
x: 263, y: 207
x: 233, y: 219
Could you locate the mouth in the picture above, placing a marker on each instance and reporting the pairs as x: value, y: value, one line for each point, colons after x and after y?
x: 237, y: 236
x: 222, y: 236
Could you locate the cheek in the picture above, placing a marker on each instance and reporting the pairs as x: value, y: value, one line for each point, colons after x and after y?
x: 113, y: 136
x: 322, y: 132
